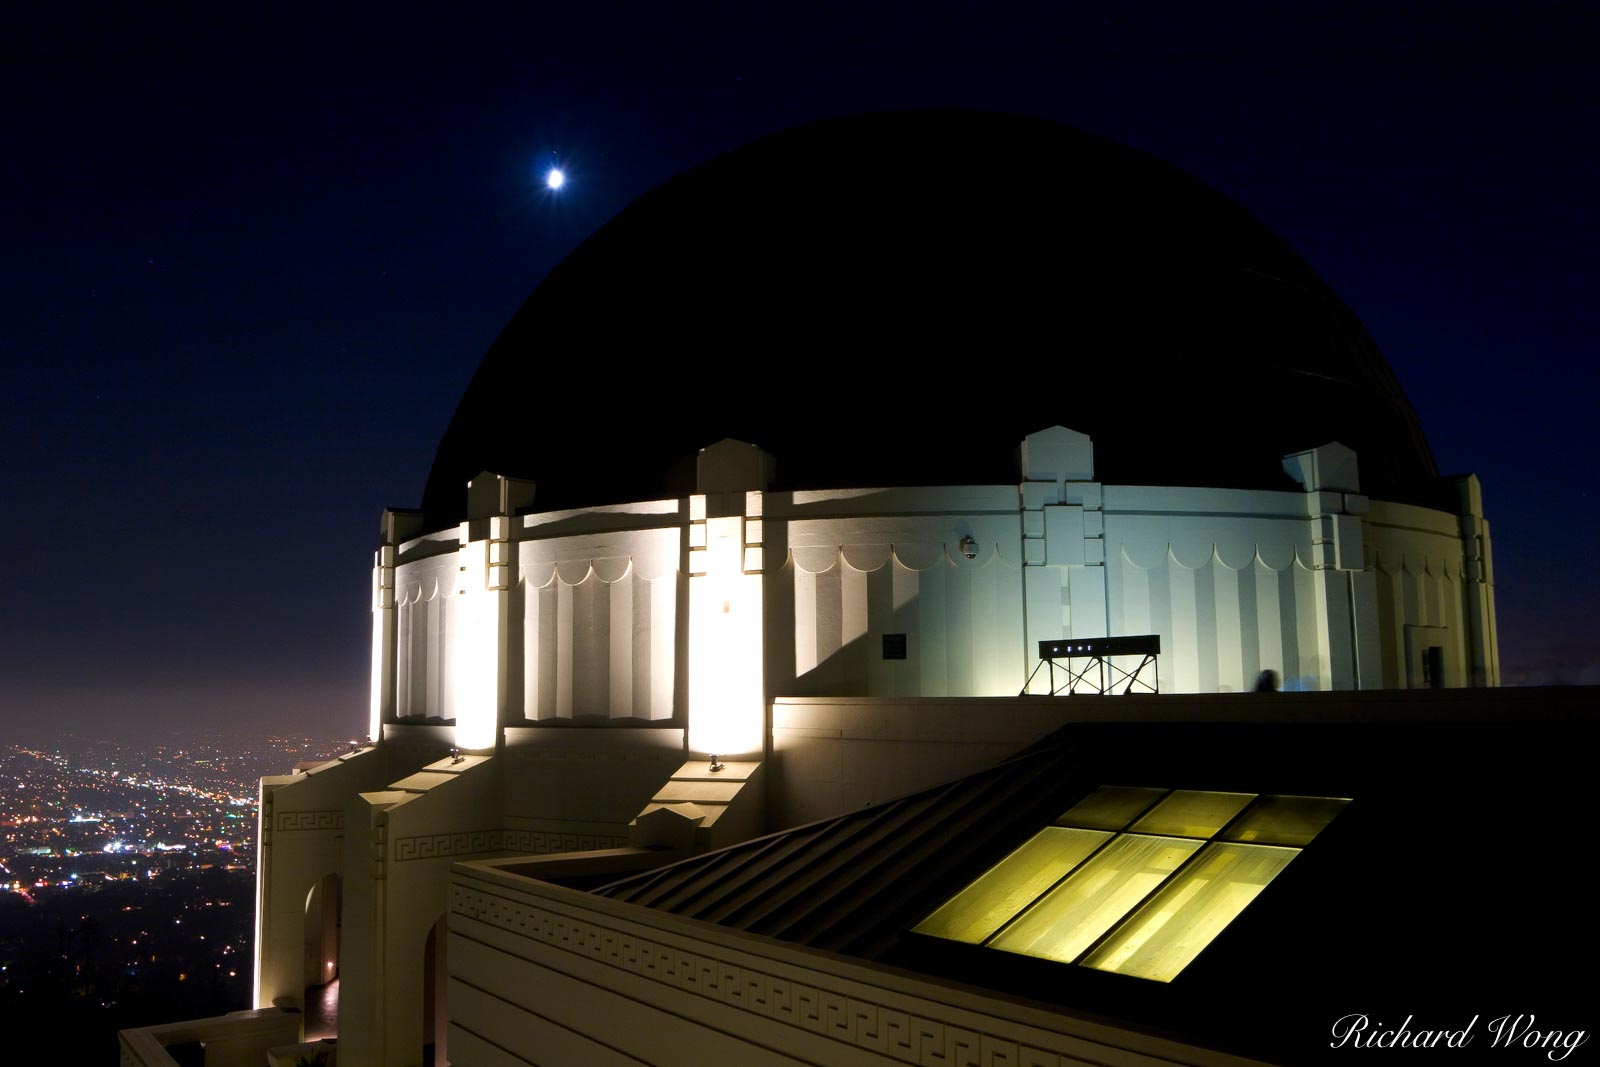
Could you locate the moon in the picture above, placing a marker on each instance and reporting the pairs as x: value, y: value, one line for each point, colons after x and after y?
x: 555, y: 179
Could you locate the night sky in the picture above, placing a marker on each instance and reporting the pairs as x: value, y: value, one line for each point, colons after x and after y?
x: 252, y: 257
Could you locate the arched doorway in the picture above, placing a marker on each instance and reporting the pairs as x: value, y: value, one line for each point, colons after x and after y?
x: 435, y: 1017
x: 321, y: 967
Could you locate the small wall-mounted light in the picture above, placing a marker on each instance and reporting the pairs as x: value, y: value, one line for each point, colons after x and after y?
x: 716, y: 763
x: 455, y: 755
x: 969, y: 547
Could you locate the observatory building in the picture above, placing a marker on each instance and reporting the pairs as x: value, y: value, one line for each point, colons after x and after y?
x: 764, y: 512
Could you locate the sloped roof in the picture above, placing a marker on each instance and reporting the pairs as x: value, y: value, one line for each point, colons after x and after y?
x: 841, y: 884
x: 1444, y: 887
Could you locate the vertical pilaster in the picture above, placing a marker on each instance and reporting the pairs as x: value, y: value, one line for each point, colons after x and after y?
x: 396, y: 527
x: 484, y: 701
x: 727, y: 697
x: 1335, y: 540
x: 260, y: 996
x: 1063, y: 542
x: 1345, y: 607
x: 1086, y: 586
x: 383, y: 637
x: 501, y: 580
x: 1043, y: 602
x: 1483, y: 643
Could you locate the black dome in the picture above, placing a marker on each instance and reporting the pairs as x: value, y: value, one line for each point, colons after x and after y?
x: 899, y: 299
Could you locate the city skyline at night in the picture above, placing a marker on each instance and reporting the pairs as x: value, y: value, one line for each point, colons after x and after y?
x: 127, y: 878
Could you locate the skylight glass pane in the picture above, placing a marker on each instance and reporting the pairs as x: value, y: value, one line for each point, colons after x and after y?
x: 1285, y: 820
x: 1190, y: 813
x: 1110, y: 807
x: 1011, y: 885
x: 1073, y: 915
x: 1170, y: 931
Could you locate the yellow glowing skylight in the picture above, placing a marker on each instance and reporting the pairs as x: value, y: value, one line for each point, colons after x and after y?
x: 1111, y: 807
x: 1012, y: 884
x: 1285, y: 820
x: 1072, y: 916
x: 1189, y: 813
x: 1144, y: 902
x: 1169, y: 931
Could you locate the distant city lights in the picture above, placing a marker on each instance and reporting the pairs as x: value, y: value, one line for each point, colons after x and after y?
x: 96, y: 811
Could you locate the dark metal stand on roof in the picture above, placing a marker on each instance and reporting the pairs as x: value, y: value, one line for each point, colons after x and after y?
x: 1098, y: 652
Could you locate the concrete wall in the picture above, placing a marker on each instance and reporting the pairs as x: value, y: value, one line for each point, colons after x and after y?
x: 584, y: 616
x: 550, y: 790
x: 577, y: 789
x: 1418, y: 560
x: 941, y: 566
x: 1234, y: 582
x: 1226, y: 577
x: 398, y: 850
x: 426, y: 621
x: 301, y: 842
x: 598, y: 622
x: 240, y: 1039
x: 541, y: 974
x: 592, y: 631
x: 833, y: 755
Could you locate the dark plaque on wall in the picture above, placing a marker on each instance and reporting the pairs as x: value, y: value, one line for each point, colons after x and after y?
x: 894, y: 646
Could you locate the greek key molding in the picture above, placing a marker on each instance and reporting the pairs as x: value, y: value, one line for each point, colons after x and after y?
x: 848, y: 1019
x: 477, y: 842
x: 308, y: 820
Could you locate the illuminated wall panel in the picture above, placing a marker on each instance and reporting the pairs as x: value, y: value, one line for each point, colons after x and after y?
x: 476, y: 643
x: 1220, y: 626
x: 424, y: 650
x: 599, y: 632
x: 1417, y: 559
x: 962, y: 620
x: 727, y: 713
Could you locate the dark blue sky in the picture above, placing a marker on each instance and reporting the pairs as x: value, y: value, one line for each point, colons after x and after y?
x: 251, y: 259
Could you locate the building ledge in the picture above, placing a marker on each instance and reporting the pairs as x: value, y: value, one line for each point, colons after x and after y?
x: 238, y: 1037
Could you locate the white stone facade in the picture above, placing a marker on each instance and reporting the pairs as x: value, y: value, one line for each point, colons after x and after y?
x: 850, y: 645
x: 588, y: 612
